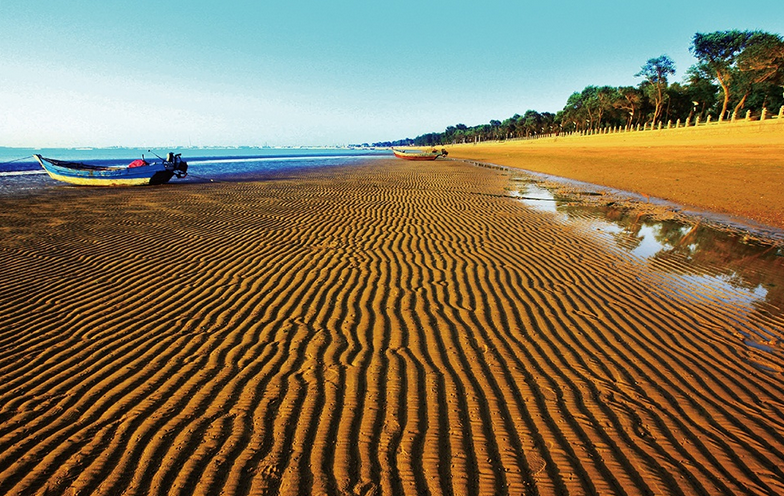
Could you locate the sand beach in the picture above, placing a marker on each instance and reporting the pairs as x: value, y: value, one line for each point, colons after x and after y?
x: 735, y: 168
x: 385, y: 328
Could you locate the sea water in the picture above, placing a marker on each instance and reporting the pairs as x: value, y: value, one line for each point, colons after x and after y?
x: 21, y: 173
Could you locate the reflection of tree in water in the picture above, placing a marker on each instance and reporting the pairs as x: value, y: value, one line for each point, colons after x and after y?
x: 746, y: 263
x: 677, y: 236
x: 697, y: 249
x: 631, y: 224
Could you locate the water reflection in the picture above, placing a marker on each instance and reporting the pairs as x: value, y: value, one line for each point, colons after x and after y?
x: 734, y: 267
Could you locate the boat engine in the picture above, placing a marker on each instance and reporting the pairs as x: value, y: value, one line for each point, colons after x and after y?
x: 175, y: 163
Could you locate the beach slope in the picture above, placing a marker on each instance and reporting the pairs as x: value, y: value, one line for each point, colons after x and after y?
x: 731, y: 168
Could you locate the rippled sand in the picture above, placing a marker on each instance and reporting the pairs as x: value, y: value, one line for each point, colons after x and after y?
x: 387, y: 328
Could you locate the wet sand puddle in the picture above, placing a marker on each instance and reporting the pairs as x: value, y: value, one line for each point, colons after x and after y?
x: 691, y: 260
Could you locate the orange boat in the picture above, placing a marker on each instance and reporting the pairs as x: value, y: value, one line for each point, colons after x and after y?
x: 419, y: 154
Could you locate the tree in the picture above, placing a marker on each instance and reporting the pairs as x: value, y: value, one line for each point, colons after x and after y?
x: 764, y: 58
x: 588, y: 106
x: 718, y: 53
x: 508, y: 127
x: 516, y: 125
x: 679, y: 102
x: 747, y: 65
x: 628, y: 98
x: 548, y: 122
x: 484, y: 131
x: 701, y: 90
x: 458, y: 133
x: 738, y: 60
x: 602, y: 102
x: 655, y: 72
x: 531, y: 122
x: 496, y: 127
x: 574, y: 111
x: 760, y: 63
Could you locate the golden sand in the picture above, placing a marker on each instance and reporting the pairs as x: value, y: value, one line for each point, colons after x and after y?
x: 390, y: 328
x: 732, y: 168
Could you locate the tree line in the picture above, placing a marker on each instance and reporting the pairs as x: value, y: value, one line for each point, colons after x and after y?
x: 736, y: 71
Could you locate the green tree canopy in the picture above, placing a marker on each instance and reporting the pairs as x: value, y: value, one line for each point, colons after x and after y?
x: 628, y: 99
x: 655, y: 72
x: 747, y: 65
x: 761, y: 63
x: 723, y: 54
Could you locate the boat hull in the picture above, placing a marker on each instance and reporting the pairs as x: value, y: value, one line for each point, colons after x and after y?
x: 418, y: 155
x: 107, y: 176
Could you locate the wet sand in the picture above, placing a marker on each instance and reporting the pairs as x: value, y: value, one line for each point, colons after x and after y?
x: 395, y: 328
x: 732, y: 168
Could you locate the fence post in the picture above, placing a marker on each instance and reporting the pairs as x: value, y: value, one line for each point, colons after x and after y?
x: 748, y: 115
x: 709, y: 119
x: 697, y: 121
x: 734, y: 115
x: 764, y: 114
x: 677, y: 124
x: 781, y: 112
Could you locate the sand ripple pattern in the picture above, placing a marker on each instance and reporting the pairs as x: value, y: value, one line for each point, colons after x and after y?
x: 390, y: 328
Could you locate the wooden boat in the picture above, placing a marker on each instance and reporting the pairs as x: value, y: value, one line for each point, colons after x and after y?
x: 138, y: 172
x: 419, y: 154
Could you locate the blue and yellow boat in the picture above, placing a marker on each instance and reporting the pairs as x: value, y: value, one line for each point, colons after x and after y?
x: 136, y: 173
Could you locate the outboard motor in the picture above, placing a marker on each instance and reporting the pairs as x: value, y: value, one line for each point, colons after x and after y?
x: 177, y: 164
x: 180, y: 166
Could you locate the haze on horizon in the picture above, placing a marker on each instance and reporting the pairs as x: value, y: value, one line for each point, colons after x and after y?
x: 171, y: 72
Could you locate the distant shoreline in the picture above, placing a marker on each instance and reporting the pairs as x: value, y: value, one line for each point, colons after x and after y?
x: 732, y: 168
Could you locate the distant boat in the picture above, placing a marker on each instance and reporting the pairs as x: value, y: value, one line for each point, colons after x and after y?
x: 136, y: 173
x: 419, y: 154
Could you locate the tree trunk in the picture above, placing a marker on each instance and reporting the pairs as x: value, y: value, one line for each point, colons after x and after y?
x: 726, y: 90
x: 741, y: 103
x: 657, y: 110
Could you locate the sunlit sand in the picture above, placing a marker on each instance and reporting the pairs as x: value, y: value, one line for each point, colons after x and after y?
x: 732, y: 168
x: 394, y: 327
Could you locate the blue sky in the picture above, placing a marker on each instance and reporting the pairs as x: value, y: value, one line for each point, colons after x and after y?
x: 175, y: 72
